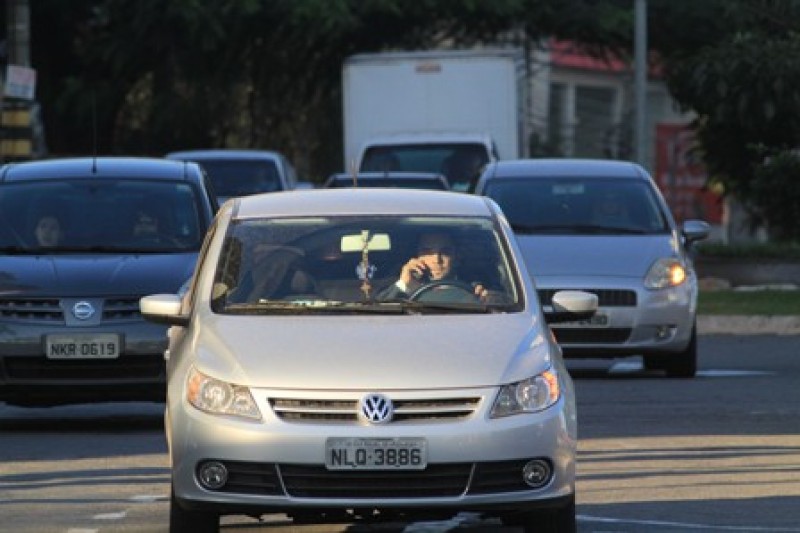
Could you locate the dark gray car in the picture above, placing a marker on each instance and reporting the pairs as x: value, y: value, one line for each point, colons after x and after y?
x: 243, y: 172
x: 81, y: 240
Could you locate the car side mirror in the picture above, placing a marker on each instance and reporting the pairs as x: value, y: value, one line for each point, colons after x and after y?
x: 163, y: 309
x: 568, y: 306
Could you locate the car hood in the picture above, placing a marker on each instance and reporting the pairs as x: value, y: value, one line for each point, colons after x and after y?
x: 95, y: 275
x: 593, y: 256
x: 366, y: 352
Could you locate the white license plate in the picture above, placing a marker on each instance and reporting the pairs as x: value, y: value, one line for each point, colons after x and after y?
x: 89, y: 346
x: 376, y: 454
x: 599, y: 320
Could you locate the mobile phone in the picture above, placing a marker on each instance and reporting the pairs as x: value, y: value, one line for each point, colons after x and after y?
x: 422, y: 277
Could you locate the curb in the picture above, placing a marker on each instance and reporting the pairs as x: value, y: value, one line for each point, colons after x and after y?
x: 748, y: 325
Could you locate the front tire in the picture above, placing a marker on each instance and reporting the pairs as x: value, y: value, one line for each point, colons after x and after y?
x: 677, y: 365
x: 557, y: 520
x: 187, y: 521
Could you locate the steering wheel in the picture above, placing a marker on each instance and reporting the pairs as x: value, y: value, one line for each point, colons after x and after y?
x: 456, y: 291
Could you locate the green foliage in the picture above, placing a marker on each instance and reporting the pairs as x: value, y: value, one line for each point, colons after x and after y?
x: 756, y: 251
x: 760, y: 302
x: 776, y: 192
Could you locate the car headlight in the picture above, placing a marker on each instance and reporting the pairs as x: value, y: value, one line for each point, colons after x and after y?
x: 666, y: 272
x: 219, y: 397
x: 528, y: 396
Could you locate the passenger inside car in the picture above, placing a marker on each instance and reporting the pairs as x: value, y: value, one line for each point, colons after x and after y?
x: 610, y: 210
x: 48, y: 231
x: 274, y: 273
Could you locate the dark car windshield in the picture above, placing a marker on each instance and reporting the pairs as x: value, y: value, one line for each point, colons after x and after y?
x: 105, y: 215
x: 242, y: 177
x: 593, y: 206
x: 459, y: 162
x: 351, y: 264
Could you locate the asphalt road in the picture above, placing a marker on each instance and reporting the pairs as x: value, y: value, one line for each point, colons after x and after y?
x: 717, y: 453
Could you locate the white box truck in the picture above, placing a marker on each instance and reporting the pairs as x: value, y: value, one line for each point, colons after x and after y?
x: 447, y: 111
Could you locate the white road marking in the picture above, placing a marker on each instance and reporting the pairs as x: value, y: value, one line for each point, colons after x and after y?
x: 630, y: 366
x: 81, y: 530
x: 683, y: 525
x: 149, y: 498
x: 111, y: 516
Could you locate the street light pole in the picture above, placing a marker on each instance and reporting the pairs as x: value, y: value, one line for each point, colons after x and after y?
x: 19, y: 32
x: 640, y: 81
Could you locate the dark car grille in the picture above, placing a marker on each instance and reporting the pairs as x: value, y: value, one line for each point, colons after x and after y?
x: 86, y: 370
x: 33, y: 309
x: 48, y: 310
x: 439, y: 480
x: 605, y: 297
x: 591, y: 336
x: 346, y: 411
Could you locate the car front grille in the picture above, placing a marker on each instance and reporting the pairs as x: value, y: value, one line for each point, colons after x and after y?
x: 605, y: 297
x: 591, y: 335
x: 437, y: 480
x: 85, y: 370
x: 45, y: 310
x: 49, y: 310
x: 346, y: 411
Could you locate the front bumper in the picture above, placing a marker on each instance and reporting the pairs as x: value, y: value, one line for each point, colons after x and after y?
x: 473, y: 464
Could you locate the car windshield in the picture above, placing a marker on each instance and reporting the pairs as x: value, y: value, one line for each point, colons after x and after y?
x: 352, y: 264
x: 574, y: 205
x: 104, y: 215
x: 459, y: 162
x: 390, y: 181
x: 242, y: 177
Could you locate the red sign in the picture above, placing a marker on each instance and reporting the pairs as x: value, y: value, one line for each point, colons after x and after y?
x: 682, y: 177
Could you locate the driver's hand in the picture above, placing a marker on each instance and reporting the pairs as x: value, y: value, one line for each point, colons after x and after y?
x: 481, y: 292
x: 413, y: 270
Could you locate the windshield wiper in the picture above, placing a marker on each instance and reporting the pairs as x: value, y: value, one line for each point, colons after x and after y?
x: 455, y: 307
x: 333, y: 306
x: 311, y: 306
x: 575, y: 229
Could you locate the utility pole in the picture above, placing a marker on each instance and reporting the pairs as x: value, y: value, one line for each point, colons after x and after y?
x: 16, y: 125
x: 640, y: 81
x: 19, y: 32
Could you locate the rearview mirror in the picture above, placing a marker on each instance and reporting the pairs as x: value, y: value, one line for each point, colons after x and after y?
x: 357, y: 243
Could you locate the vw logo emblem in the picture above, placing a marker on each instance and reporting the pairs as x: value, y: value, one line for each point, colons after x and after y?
x: 376, y: 408
x: 83, y: 310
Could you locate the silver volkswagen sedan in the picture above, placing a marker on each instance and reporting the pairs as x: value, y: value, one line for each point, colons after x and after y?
x: 603, y: 226
x: 367, y: 355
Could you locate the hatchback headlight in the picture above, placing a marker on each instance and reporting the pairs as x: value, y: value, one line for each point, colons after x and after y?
x: 528, y: 396
x: 219, y: 397
x: 666, y: 272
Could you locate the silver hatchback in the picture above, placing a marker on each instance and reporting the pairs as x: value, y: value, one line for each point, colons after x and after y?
x: 603, y: 226
x: 362, y: 355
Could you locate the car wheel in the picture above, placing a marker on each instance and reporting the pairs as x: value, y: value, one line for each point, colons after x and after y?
x: 676, y: 365
x: 557, y: 520
x: 185, y: 521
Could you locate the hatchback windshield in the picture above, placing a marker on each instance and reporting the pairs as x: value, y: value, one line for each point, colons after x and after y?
x: 241, y: 177
x: 378, y: 263
x: 99, y: 215
x: 578, y: 206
